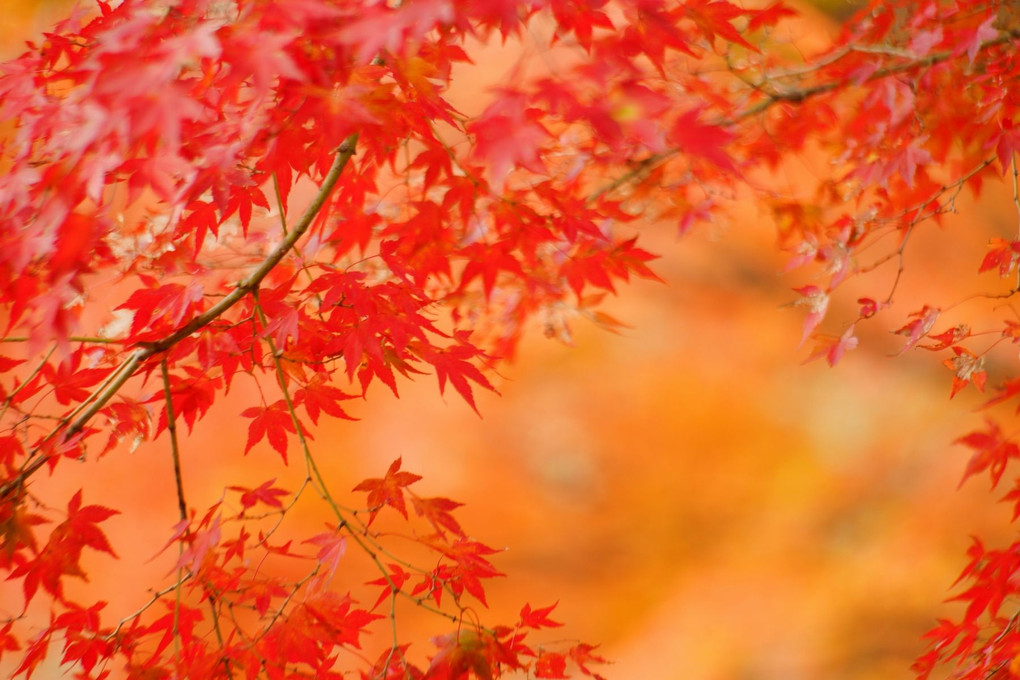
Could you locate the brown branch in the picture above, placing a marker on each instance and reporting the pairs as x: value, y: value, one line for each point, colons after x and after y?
x: 797, y: 96
x: 794, y: 96
x: 171, y: 426
x: 132, y: 364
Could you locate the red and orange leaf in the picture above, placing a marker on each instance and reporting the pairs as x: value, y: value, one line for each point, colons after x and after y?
x: 832, y: 348
x: 769, y: 16
x: 538, y: 618
x: 922, y: 322
x: 8, y: 641
x: 438, y: 512
x: 1002, y: 255
x: 273, y: 423
x: 332, y: 547
x: 948, y: 338
x: 967, y: 368
x: 393, y: 665
x: 716, y: 17
x: 508, y: 134
x: 393, y: 582
x: 551, y: 665
x: 992, y: 451
x: 703, y: 141
x: 1009, y: 389
x: 320, y: 397
x: 265, y: 493
x: 388, y: 491
x: 201, y: 547
x: 455, y: 364
x: 34, y: 655
x: 1014, y: 497
x: 462, y: 653
x: 817, y: 302
x: 583, y: 655
x: 1008, y: 143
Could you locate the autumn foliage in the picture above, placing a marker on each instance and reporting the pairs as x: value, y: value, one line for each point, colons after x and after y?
x: 279, y: 201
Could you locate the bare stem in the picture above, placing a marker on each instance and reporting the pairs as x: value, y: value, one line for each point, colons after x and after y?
x: 171, y: 426
x: 35, y: 371
x: 219, y: 635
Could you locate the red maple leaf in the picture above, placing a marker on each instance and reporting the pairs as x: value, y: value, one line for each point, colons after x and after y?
x: 391, y: 583
x: 508, y: 134
x: 332, y: 547
x: 388, y: 491
x: 70, y: 381
x: 817, y: 302
x: 469, y: 651
x: 1007, y: 144
x: 551, y: 665
x: 265, y: 493
x: 1011, y: 331
x: 437, y: 512
x: 769, y: 16
x: 971, y: 41
x: 967, y: 368
x: 335, y: 616
x: 200, y: 544
x: 948, y: 338
x: 1009, y: 389
x: 715, y: 17
x: 1014, y: 497
x: 470, y: 566
x: 538, y: 618
x: 61, y: 555
x: 1002, y: 254
x: 161, y: 307
x: 922, y: 322
x: 703, y: 140
x: 392, y: 664
x: 454, y: 364
x: 870, y: 307
x: 272, y: 422
x: 831, y: 347
x: 583, y: 655
x: 319, y: 396
x: 992, y: 451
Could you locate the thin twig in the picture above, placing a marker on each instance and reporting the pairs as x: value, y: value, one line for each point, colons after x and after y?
x: 35, y: 371
x: 793, y: 96
x: 90, y: 339
x: 156, y: 597
x: 171, y: 426
x: 219, y: 635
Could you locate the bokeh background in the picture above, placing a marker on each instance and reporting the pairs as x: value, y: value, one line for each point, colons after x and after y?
x: 696, y: 498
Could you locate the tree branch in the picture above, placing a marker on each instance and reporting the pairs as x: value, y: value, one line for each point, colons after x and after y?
x: 794, y: 96
x: 132, y: 364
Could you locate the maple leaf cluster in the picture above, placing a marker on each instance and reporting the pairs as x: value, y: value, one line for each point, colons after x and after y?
x: 281, y: 198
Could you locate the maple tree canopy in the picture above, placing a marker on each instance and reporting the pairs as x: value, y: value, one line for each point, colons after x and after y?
x: 279, y: 198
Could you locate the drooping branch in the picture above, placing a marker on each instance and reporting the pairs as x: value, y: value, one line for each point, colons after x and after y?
x: 138, y: 357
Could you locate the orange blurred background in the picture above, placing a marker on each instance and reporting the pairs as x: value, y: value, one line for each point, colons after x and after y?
x: 695, y: 498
